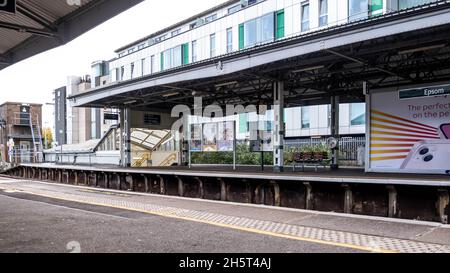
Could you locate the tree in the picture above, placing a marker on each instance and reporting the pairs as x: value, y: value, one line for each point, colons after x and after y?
x: 48, y: 138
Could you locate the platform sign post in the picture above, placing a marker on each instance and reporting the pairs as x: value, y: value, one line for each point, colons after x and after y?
x: 8, y: 6
x: 234, y: 145
x: 189, y: 145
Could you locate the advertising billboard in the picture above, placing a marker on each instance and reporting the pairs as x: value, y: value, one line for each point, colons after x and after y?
x: 196, y: 137
x: 212, y: 137
x: 225, y: 141
x: 410, y: 131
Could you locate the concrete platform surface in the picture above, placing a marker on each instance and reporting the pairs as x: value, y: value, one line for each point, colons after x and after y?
x: 202, y: 223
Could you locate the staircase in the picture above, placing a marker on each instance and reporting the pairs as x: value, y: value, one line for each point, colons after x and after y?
x: 36, y: 135
x: 169, y: 160
x: 138, y: 163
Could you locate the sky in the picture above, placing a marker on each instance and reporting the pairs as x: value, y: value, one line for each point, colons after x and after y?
x: 33, y: 80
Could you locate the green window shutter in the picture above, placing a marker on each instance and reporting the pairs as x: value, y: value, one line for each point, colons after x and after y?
x: 243, y: 128
x: 162, y: 61
x: 186, y: 53
x: 376, y: 5
x: 280, y: 24
x: 241, y: 36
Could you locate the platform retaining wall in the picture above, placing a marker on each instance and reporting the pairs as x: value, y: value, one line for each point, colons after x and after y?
x: 426, y: 203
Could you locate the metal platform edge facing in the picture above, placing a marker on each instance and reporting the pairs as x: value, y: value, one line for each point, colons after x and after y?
x: 395, y: 198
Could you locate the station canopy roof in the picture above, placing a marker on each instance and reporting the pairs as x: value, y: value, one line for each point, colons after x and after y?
x: 395, y: 50
x: 38, y: 26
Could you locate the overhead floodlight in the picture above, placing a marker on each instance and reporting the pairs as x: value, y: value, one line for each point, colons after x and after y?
x: 130, y: 102
x: 425, y: 48
x: 226, y: 84
x: 171, y: 94
x: 309, y: 69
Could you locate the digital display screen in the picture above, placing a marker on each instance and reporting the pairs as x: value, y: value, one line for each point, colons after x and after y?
x: 446, y: 130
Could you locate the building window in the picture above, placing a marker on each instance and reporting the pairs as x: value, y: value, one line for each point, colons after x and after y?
x: 306, y: 123
x: 358, y: 114
x: 152, y: 64
x: 122, y: 72
x: 243, y: 123
x: 172, y: 58
x: 229, y: 40
x: 177, y: 57
x: 212, y: 45
x: 176, y: 32
x: 132, y: 70
x: 259, y: 30
x: 234, y: 9
x: 141, y: 46
x: 211, y: 18
x: 323, y: 13
x: 358, y: 9
x: 328, y: 116
x: 305, y: 16
x: 194, y: 51
x: 280, y: 24
x: 405, y: 4
x: 142, y: 67
x: 185, y: 53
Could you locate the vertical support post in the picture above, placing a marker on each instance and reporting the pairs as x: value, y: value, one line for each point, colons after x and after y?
x: 76, y: 177
x: 162, y: 185
x: 119, y: 181
x: 248, y: 188
x: 107, y: 180
x: 95, y: 179
x: 279, y: 130
x: 201, y: 189
x: 146, y: 186
x: 223, y: 190
x: 125, y: 117
x: 335, y: 130
x: 131, y: 181
x: 180, y: 186
x: 277, y: 194
x: 443, y: 205
x: 348, y: 199
x: 392, y: 209
x: 234, y: 146
x: 309, y: 196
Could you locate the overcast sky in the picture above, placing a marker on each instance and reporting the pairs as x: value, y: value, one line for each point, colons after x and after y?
x: 33, y: 80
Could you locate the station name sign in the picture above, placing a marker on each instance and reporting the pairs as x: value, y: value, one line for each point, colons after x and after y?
x: 8, y: 6
x: 111, y: 116
x: 435, y: 91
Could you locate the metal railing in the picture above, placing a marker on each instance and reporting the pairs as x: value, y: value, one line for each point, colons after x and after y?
x: 351, y: 149
x: 18, y: 156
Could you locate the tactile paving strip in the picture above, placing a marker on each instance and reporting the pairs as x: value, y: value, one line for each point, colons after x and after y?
x: 345, y: 239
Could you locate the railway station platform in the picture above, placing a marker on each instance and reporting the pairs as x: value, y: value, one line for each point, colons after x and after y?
x: 300, y: 230
x: 351, y: 191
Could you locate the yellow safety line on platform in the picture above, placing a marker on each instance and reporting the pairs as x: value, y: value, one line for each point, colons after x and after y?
x: 251, y: 230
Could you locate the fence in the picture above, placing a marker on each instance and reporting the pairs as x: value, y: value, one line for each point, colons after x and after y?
x: 351, y: 149
x: 18, y: 156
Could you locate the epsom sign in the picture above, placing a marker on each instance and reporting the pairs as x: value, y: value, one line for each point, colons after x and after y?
x: 8, y: 6
x: 435, y: 91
